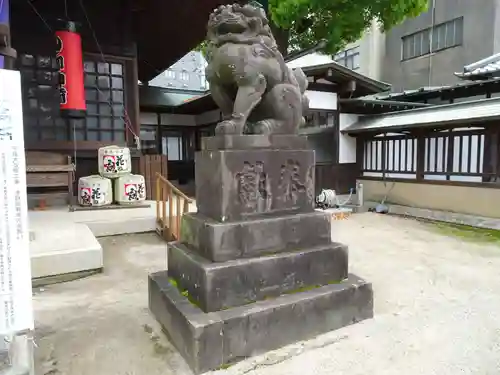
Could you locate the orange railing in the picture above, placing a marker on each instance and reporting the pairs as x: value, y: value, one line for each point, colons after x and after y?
x: 169, y: 219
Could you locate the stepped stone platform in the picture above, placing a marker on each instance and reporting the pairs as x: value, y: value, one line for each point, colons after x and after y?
x: 255, y: 268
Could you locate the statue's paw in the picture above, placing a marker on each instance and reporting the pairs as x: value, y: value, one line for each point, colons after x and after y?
x: 263, y: 127
x: 227, y: 127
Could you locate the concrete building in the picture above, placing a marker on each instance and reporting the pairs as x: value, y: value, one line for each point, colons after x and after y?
x: 426, y: 50
x: 186, y: 74
x: 365, y: 55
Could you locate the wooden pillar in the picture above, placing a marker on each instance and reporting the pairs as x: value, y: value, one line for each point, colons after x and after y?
x: 420, y: 155
x: 451, y: 154
x: 128, y: 43
x: 360, y: 154
x: 491, y: 159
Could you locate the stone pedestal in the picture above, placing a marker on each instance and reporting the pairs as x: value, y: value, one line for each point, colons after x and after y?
x: 255, y: 267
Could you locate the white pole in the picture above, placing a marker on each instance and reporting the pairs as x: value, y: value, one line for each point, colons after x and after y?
x: 16, y: 309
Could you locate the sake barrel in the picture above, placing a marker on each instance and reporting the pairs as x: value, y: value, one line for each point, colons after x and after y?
x: 95, y: 191
x: 114, y: 161
x: 130, y: 189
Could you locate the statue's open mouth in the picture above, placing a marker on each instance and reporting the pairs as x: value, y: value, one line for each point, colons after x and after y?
x: 232, y: 25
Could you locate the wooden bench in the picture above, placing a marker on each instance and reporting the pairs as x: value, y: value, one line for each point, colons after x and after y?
x: 51, y: 175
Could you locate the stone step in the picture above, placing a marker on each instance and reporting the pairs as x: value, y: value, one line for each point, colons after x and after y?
x: 217, y: 286
x: 62, y: 248
x: 209, y: 341
x: 220, y: 242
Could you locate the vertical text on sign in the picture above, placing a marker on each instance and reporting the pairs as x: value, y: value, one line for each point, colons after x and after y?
x: 16, y: 312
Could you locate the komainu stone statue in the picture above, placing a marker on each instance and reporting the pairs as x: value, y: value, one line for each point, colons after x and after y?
x: 249, y: 80
x: 255, y: 267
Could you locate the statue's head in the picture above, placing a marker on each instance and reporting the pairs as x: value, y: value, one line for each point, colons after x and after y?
x: 237, y: 19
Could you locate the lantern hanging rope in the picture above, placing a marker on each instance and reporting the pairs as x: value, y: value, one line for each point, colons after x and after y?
x: 126, y: 117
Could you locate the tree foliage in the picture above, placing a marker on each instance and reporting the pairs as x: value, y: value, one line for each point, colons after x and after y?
x: 300, y: 24
x: 338, y: 22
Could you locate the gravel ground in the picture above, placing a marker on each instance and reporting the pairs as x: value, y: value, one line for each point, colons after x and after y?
x: 436, y: 311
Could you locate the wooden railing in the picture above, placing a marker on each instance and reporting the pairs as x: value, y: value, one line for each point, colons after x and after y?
x: 169, y: 219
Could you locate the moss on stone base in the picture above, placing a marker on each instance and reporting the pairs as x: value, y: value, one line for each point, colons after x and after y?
x: 301, y: 289
x: 184, y: 292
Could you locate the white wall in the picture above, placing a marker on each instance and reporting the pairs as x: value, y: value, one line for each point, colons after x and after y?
x: 322, y: 100
x: 310, y: 60
x: 347, y: 144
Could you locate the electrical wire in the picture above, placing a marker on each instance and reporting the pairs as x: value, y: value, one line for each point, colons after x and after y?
x: 126, y: 118
x: 40, y: 16
x: 66, y: 9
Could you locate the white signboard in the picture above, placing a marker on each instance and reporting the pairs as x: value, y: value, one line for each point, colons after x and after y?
x: 16, y: 310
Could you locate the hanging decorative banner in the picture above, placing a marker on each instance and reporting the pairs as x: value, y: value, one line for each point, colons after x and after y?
x: 70, y: 62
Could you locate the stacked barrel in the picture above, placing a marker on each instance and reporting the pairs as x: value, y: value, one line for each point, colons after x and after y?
x: 115, y: 182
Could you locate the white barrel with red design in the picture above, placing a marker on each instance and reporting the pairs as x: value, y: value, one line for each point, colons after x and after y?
x: 114, y: 161
x: 130, y: 189
x: 95, y: 191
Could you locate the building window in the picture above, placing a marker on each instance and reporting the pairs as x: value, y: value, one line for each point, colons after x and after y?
x: 172, y: 147
x: 315, y: 118
x: 41, y: 100
x: 184, y: 76
x: 203, y: 81
x: 148, y: 139
x: 105, y: 122
x: 445, y: 35
x: 104, y: 96
x: 170, y: 74
x: 348, y: 58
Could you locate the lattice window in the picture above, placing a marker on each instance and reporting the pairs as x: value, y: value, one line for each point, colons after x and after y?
x: 319, y: 119
x: 104, y: 93
x: 40, y: 99
x: 105, y: 97
x: 452, y: 155
x: 393, y: 156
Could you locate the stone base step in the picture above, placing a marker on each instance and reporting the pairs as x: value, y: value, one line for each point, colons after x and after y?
x: 209, y: 341
x: 217, y: 286
x: 69, y: 248
x: 220, y: 242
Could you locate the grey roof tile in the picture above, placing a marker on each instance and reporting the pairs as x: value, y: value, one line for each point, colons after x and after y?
x: 485, y: 68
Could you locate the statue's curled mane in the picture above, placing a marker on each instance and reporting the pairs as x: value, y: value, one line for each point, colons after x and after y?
x: 256, y: 30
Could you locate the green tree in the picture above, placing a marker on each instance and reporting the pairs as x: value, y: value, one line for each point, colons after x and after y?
x: 300, y: 24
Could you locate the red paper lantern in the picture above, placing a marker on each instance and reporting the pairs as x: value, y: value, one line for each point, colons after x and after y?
x: 70, y: 62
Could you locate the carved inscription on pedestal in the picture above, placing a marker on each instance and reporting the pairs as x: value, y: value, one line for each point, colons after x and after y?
x: 310, y: 184
x: 254, y: 190
x: 290, y: 187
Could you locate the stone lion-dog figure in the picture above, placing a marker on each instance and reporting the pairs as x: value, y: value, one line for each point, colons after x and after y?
x: 249, y: 80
